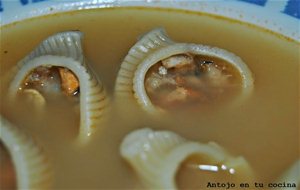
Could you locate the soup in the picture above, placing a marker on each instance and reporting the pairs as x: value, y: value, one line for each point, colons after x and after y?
x: 263, y: 129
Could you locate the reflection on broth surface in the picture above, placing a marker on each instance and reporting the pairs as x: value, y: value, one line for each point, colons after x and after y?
x: 198, y: 173
x: 263, y: 129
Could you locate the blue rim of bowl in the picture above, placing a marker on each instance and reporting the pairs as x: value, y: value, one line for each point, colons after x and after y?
x: 255, y: 15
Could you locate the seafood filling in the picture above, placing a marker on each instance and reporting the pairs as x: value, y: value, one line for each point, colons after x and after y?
x: 187, y: 79
x: 8, y: 175
x: 52, y: 81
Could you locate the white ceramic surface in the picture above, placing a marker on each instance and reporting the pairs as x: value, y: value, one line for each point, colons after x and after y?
x: 15, y: 10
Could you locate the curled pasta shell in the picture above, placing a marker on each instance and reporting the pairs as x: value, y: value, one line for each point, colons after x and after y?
x: 36, y: 98
x: 66, y: 44
x: 156, y: 46
x: 92, y: 95
x: 31, y: 165
x: 292, y: 175
x: 147, y: 44
x: 156, y: 156
x: 64, y: 50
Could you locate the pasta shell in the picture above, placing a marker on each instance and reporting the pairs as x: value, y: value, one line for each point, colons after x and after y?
x: 292, y: 175
x: 31, y: 165
x: 148, y: 43
x: 64, y: 50
x: 156, y: 156
x: 35, y: 98
x: 66, y: 44
x: 156, y: 46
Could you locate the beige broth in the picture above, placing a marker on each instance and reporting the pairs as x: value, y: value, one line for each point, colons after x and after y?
x: 264, y: 129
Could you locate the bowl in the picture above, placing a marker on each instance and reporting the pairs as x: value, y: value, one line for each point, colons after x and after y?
x: 276, y: 16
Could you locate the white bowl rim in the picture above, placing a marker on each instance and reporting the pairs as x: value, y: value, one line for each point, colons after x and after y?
x: 273, y: 21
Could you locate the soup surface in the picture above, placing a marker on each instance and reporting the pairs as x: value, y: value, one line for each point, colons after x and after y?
x: 264, y: 129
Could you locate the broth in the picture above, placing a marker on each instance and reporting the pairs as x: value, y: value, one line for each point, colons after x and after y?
x: 206, y: 171
x: 265, y: 129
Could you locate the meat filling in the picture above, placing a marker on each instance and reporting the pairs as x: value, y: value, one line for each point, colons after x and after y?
x: 52, y: 81
x: 186, y: 79
x: 7, y: 170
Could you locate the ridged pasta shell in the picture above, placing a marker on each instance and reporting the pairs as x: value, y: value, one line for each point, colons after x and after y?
x: 66, y: 44
x: 64, y: 50
x: 292, y: 175
x: 156, y: 46
x: 157, y: 155
x: 93, y: 99
x: 146, y: 45
x: 35, y: 98
x: 31, y: 166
